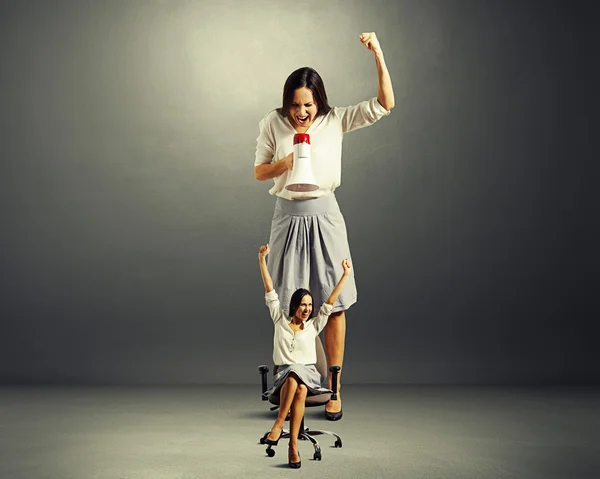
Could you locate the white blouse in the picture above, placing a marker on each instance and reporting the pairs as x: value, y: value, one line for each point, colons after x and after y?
x: 276, y: 141
x: 298, y: 347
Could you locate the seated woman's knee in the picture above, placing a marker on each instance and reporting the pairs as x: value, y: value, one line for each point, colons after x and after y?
x: 292, y: 378
x: 302, y: 390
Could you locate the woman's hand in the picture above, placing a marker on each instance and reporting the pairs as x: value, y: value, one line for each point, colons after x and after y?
x: 263, y: 251
x: 266, y: 171
x: 347, y: 266
x: 370, y: 41
x: 289, y: 161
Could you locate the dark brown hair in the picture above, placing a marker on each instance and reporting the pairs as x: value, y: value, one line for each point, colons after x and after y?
x: 309, y: 78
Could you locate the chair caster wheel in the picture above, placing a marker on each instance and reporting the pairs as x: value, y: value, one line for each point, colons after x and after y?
x: 262, y: 440
x: 317, y: 456
x: 270, y: 452
x: 338, y: 443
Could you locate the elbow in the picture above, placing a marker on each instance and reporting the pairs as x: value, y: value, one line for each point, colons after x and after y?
x: 258, y: 175
x: 387, y: 103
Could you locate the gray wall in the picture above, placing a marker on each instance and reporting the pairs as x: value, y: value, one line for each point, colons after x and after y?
x: 131, y: 219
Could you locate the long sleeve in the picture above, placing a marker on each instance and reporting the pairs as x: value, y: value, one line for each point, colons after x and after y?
x: 272, y: 301
x: 363, y: 114
x: 323, y: 316
x: 265, y: 143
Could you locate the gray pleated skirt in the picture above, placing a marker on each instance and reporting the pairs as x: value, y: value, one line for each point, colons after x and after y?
x: 307, y: 373
x: 308, y: 243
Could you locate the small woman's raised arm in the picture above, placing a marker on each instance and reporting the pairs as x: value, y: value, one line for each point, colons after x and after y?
x: 264, y: 272
x: 340, y: 285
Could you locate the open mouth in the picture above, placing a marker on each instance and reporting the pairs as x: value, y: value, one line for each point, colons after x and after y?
x: 302, y: 119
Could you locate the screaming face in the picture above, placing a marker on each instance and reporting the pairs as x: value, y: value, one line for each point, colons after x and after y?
x: 303, y: 109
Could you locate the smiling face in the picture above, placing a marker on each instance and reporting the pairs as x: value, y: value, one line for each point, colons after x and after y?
x: 303, y: 109
x: 305, y: 308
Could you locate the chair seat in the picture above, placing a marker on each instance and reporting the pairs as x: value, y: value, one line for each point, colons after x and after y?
x: 311, y: 401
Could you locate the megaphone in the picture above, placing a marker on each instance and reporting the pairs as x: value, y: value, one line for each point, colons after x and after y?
x: 302, y: 177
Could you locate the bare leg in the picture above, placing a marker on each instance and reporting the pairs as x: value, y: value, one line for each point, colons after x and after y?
x: 295, y: 420
x: 287, y: 394
x: 335, y: 337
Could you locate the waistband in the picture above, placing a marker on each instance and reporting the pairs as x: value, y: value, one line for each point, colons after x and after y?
x: 322, y: 204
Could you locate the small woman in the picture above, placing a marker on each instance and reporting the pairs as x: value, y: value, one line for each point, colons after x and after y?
x: 308, y: 232
x: 294, y: 353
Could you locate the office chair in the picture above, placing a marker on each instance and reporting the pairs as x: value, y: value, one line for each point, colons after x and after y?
x: 305, y: 434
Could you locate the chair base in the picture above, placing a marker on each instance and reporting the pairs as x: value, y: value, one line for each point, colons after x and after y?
x: 305, y: 434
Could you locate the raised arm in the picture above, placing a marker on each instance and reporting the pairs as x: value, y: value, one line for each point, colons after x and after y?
x: 340, y: 285
x: 264, y: 272
x: 385, y: 92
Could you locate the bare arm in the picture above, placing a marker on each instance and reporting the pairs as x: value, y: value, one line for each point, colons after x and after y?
x: 340, y: 285
x: 385, y: 92
x: 267, y: 171
x: 264, y: 272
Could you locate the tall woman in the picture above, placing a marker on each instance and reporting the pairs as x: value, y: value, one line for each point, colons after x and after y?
x: 308, y: 233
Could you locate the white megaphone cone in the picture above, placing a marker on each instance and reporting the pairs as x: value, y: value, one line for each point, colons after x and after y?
x: 302, y: 177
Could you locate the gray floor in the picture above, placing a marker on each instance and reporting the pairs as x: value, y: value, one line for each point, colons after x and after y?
x: 213, y: 432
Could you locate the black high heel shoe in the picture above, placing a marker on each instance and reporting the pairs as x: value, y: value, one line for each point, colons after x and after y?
x: 295, y: 465
x: 273, y: 442
x: 333, y: 416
